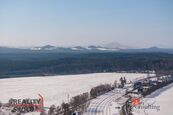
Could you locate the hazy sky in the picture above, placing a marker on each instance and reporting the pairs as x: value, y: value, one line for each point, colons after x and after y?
x: 137, y: 23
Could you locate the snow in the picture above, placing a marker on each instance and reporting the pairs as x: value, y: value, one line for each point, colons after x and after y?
x: 55, y: 89
x: 74, y: 48
x: 103, y: 49
x: 5, y: 111
x: 116, y: 106
x: 107, y: 104
x: 161, y: 100
x: 36, y: 48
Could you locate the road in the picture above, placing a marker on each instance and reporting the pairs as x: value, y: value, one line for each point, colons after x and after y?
x: 102, y: 105
x: 110, y: 103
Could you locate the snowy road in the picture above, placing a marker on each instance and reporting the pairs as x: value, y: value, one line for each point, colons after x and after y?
x: 102, y: 105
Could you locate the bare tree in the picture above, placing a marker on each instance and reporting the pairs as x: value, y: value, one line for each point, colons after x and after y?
x: 52, y: 110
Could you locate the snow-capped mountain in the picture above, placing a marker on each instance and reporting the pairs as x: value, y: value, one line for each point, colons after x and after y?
x: 78, y: 48
x: 102, y: 48
x: 46, y: 47
x: 110, y: 47
x: 115, y: 45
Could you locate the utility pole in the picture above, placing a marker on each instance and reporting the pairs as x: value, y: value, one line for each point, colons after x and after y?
x: 68, y: 97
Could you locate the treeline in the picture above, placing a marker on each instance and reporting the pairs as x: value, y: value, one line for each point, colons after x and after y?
x: 161, y: 82
x: 101, y: 89
x: 33, y: 64
x: 78, y: 104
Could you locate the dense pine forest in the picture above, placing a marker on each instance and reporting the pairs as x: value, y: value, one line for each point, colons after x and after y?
x: 41, y: 64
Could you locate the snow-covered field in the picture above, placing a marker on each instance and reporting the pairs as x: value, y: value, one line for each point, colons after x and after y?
x: 161, y: 102
x: 55, y: 89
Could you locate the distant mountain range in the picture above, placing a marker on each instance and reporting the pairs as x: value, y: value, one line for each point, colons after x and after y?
x: 150, y: 50
x: 111, y: 47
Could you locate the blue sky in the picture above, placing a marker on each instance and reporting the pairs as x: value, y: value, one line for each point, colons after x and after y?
x: 137, y: 23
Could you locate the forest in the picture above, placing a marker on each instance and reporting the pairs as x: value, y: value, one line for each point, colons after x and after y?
x: 43, y: 64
